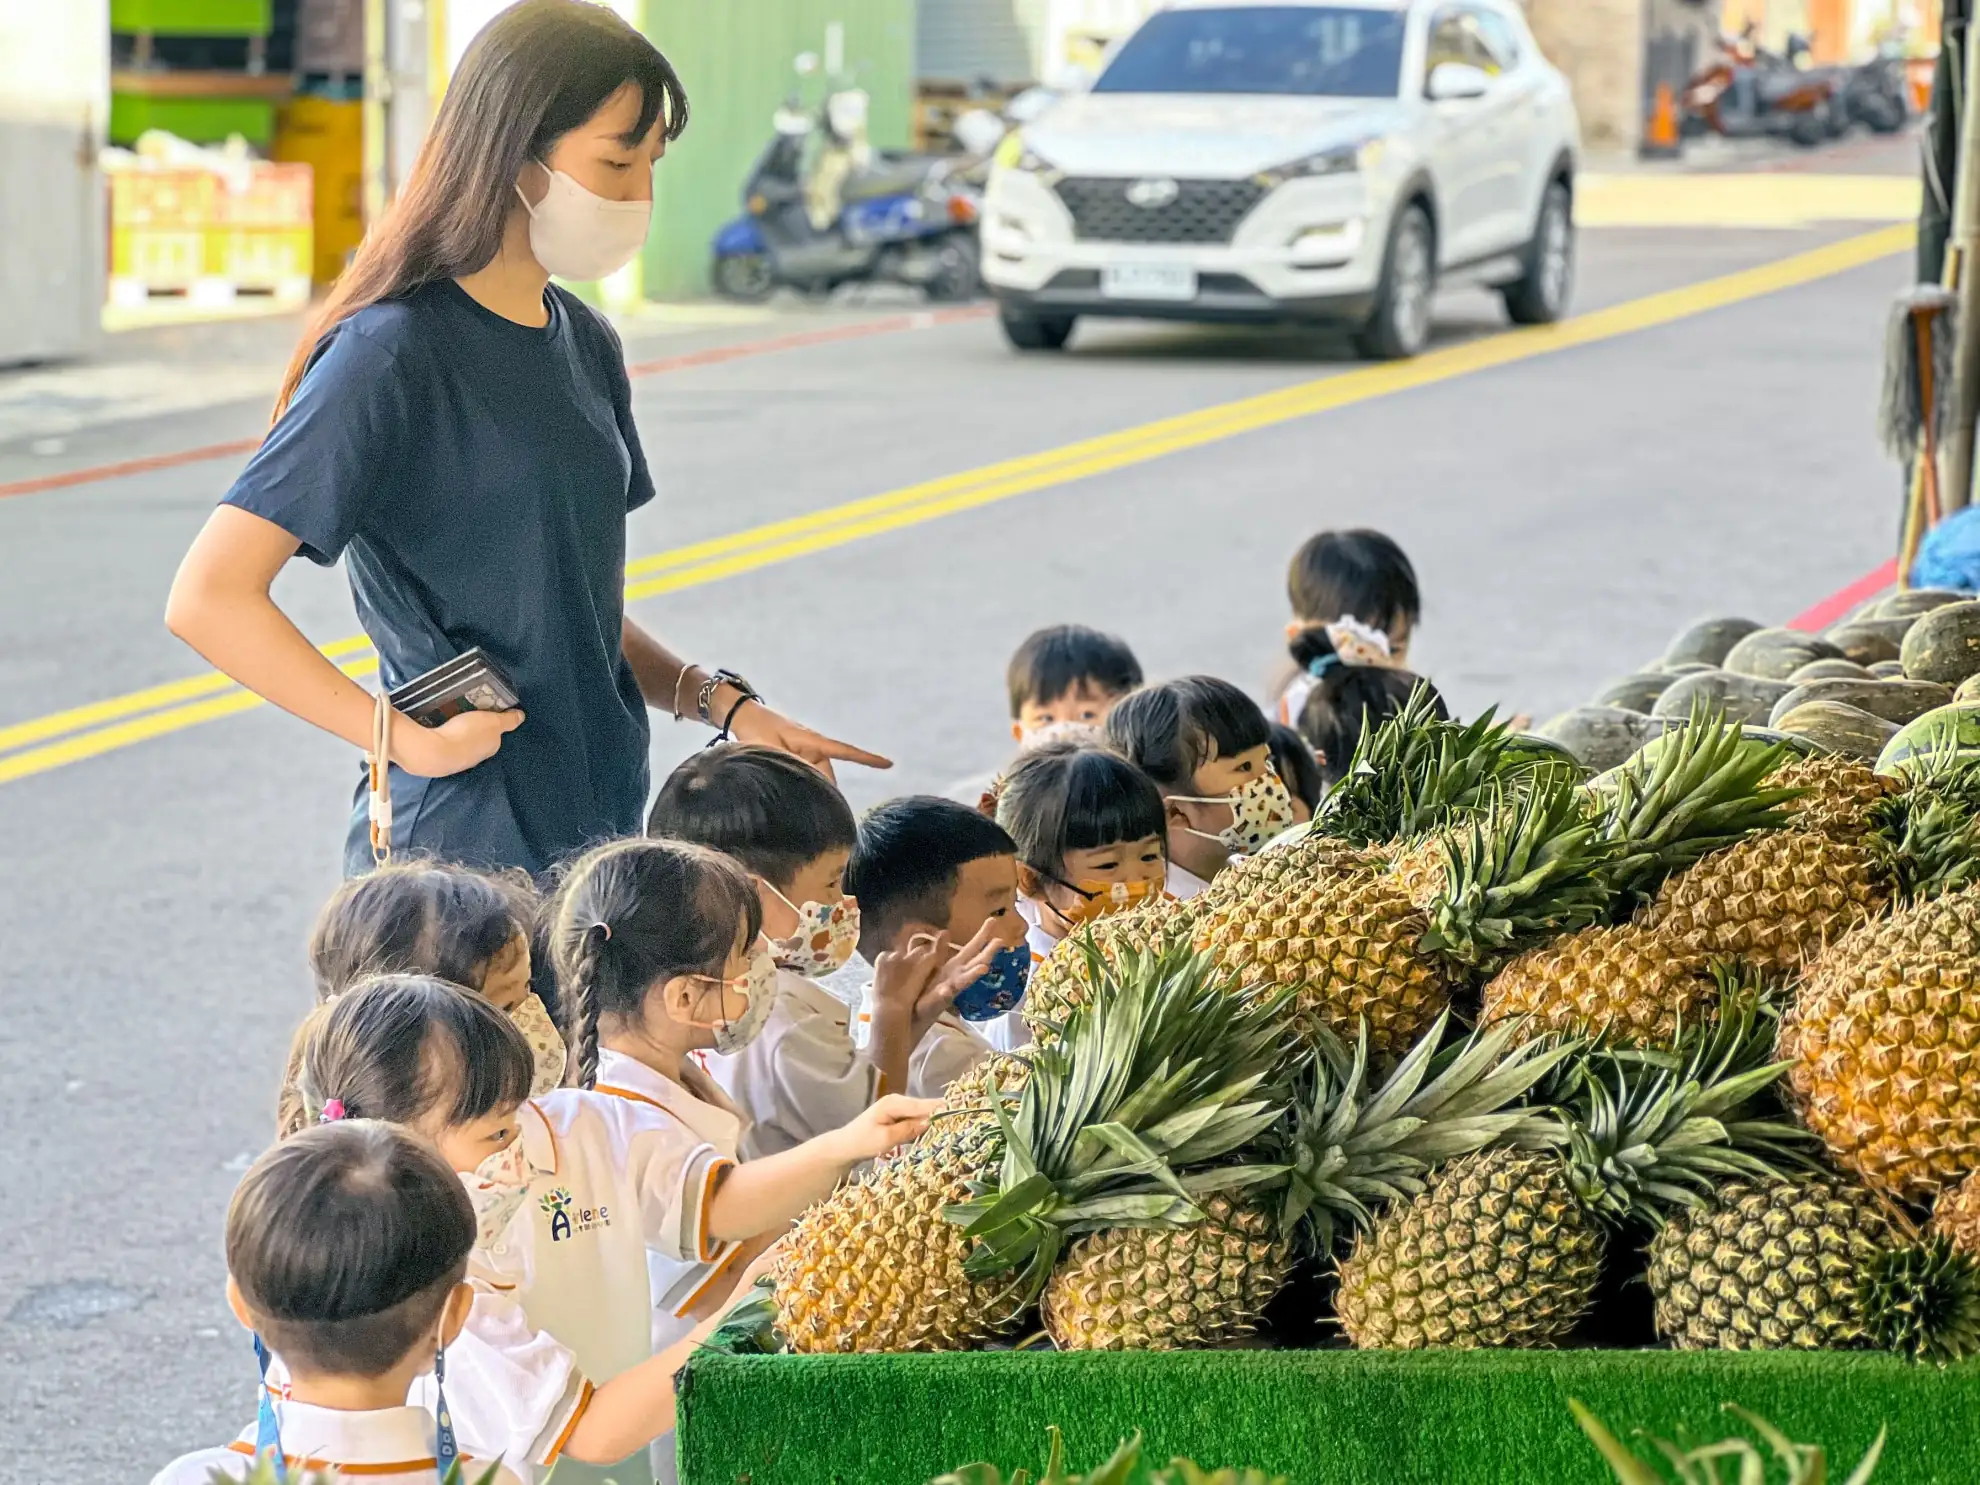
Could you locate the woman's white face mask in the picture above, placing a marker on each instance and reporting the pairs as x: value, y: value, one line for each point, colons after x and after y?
x: 578, y: 235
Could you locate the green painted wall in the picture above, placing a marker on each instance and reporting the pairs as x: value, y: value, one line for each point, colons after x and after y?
x: 734, y: 56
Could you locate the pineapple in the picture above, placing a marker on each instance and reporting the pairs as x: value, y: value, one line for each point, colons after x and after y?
x: 1810, y: 1265
x: 874, y: 1267
x: 1617, y: 982
x: 1063, y: 982
x: 1772, y: 902
x: 1767, y: 1266
x: 1956, y: 1215
x: 1351, y: 1146
x: 1167, y: 1068
x: 969, y: 1092
x: 1884, y: 1038
x: 1836, y: 794
x: 1356, y: 946
x: 1162, y: 1289
x: 1504, y: 1247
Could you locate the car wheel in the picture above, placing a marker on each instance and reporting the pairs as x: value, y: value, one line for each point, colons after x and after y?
x: 956, y: 279
x: 1540, y: 295
x: 1040, y: 333
x: 1399, y: 325
x: 745, y: 277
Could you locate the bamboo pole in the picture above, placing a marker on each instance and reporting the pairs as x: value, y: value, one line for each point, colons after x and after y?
x: 1957, y: 484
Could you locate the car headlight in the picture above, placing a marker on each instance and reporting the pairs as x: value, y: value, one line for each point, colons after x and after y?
x: 1015, y: 154
x: 1345, y: 159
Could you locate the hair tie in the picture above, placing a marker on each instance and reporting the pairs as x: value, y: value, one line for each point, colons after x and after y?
x: 1319, y: 665
x: 333, y: 1110
x: 603, y: 927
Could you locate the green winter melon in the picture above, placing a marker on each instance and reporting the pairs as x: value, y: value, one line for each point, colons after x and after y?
x: 1707, y: 641
x: 1868, y: 641
x: 1836, y: 728
x: 1830, y: 670
x: 1950, y: 729
x: 1635, y: 693
x: 1915, y: 601
x: 1944, y: 645
x: 1894, y: 701
x: 1776, y: 654
x: 1743, y: 698
x: 1599, y: 737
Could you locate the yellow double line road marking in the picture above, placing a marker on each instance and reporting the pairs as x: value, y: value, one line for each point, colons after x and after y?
x: 45, y: 743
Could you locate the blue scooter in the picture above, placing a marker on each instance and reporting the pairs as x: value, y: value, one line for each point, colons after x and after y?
x: 898, y: 219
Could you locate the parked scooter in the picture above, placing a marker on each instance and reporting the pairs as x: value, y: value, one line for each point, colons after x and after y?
x: 1877, y: 95
x: 843, y: 213
x: 1747, y: 92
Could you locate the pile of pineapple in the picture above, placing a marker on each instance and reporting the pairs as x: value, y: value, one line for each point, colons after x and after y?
x: 1488, y: 1044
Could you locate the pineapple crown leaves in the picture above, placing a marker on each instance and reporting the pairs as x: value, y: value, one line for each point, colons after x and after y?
x: 1650, y: 1130
x: 1352, y: 1147
x: 1927, y: 838
x: 1699, y: 789
x: 1417, y: 773
x: 1805, y: 1464
x: 1528, y: 870
x: 1129, y: 1119
x: 1923, y: 1300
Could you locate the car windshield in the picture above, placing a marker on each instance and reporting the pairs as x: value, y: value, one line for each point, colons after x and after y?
x: 1311, y: 51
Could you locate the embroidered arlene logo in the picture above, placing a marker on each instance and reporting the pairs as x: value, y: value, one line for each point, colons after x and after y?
x: 567, y: 1218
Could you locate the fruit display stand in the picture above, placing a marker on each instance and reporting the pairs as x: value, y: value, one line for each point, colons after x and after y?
x: 1316, y: 1417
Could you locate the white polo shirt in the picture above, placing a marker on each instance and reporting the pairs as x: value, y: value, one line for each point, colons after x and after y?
x: 1183, y: 884
x: 699, y: 1103
x: 563, y: 1301
x: 802, y: 1076
x: 393, y: 1446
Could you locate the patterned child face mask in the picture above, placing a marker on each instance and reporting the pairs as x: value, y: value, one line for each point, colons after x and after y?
x: 546, y: 1047
x: 497, y: 1188
x: 827, y: 933
x: 1103, y: 899
x: 1261, y: 808
x: 759, y: 984
x: 1000, y: 988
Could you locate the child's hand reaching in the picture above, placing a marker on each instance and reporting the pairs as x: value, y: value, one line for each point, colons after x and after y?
x: 891, y: 1122
x: 915, y: 985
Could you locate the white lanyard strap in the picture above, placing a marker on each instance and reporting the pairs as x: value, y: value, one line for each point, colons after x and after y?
x: 381, y: 781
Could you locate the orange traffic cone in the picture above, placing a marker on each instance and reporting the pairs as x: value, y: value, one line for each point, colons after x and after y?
x: 1661, y: 139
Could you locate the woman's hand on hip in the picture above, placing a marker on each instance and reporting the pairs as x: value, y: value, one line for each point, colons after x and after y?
x: 455, y: 746
x: 756, y: 723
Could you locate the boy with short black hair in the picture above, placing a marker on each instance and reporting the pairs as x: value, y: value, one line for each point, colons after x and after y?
x: 346, y: 1251
x: 1068, y: 673
x: 934, y: 869
x: 787, y: 824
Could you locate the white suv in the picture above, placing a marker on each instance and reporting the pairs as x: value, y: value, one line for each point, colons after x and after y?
x: 1275, y: 160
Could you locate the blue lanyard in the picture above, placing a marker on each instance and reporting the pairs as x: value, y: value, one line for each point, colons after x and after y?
x: 267, y: 1431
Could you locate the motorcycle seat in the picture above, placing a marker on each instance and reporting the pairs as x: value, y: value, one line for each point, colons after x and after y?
x: 887, y: 179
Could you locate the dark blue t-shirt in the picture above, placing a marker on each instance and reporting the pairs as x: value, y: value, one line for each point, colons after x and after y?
x: 475, y: 475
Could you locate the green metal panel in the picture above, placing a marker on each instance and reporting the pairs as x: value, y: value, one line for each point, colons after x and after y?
x: 194, y: 17
x: 202, y: 120
x: 735, y: 56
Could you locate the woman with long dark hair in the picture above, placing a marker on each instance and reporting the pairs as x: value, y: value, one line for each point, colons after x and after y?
x: 460, y: 431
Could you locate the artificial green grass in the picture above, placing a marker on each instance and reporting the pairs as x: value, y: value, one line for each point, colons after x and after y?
x: 1318, y: 1417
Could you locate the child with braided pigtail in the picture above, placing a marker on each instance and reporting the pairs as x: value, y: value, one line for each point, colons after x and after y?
x: 556, y: 1365
x: 660, y: 957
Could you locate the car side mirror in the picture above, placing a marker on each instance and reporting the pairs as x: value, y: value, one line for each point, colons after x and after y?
x: 1451, y: 81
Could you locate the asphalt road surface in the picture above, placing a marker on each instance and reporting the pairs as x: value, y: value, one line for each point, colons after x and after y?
x: 1570, y: 502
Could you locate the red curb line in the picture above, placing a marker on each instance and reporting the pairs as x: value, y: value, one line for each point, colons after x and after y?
x: 715, y: 356
x: 1840, y: 602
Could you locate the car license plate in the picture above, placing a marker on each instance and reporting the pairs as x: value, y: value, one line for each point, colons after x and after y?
x: 1147, y: 281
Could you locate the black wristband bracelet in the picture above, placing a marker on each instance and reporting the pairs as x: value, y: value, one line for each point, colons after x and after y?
x: 722, y: 733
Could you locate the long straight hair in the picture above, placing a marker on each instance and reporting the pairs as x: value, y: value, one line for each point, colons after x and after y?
x: 536, y: 72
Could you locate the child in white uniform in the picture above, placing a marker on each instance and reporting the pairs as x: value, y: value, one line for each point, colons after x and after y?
x: 467, y: 927
x: 1208, y: 748
x: 1087, y: 828
x: 793, y: 832
x: 932, y: 871
x: 346, y: 1248
x: 1358, y: 590
x: 555, y: 1366
x: 1067, y: 674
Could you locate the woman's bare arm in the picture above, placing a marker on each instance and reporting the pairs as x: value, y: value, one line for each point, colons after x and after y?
x: 220, y: 605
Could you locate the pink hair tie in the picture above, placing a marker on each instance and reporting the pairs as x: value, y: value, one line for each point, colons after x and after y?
x: 332, y: 1112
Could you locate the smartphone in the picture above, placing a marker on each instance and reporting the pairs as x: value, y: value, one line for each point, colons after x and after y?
x: 467, y: 683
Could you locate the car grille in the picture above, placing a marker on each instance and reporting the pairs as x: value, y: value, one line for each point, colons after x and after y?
x: 1202, y: 211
